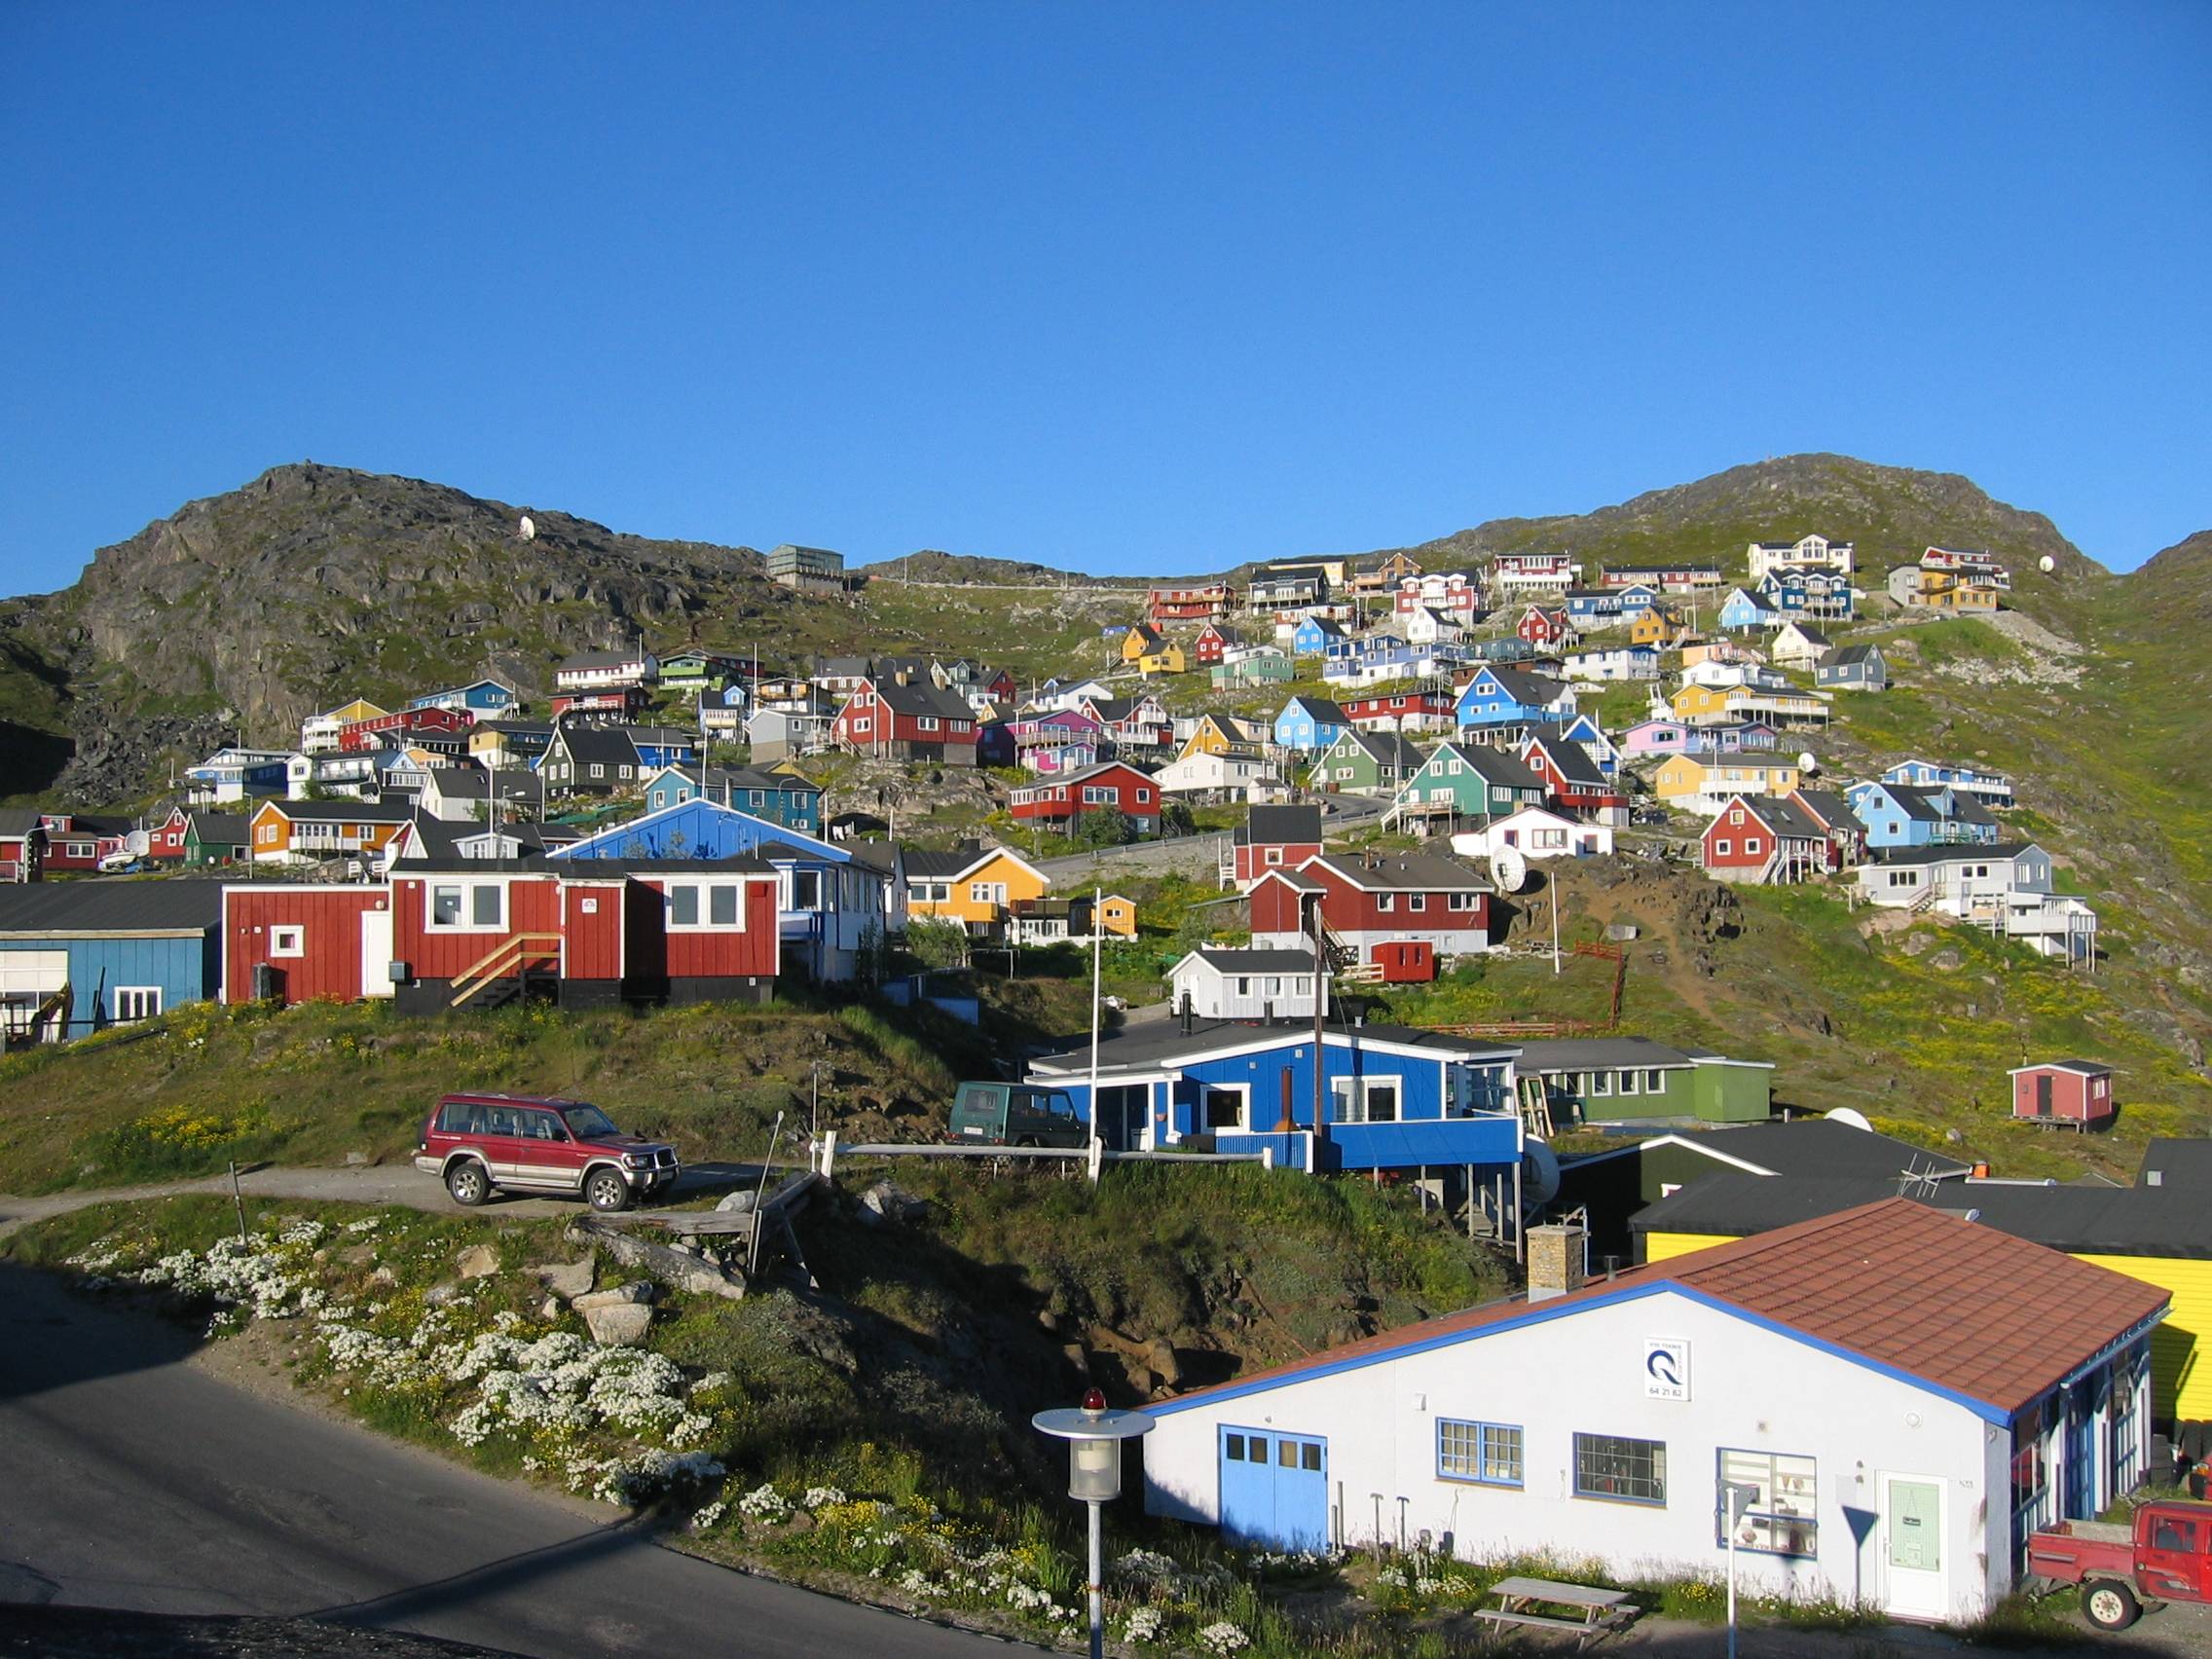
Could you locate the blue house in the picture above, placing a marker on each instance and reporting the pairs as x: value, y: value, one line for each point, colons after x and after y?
x: 124, y: 950
x: 1594, y: 608
x: 1311, y: 725
x: 1991, y: 788
x: 1500, y: 696
x: 662, y: 746
x: 1394, y: 1097
x: 1740, y: 611
x: 479, y: 697
x: 1906, y: 815
x: 1312, y: 635
x: 778, y: 797
x: 1638, y: 597
x: 833, y: 905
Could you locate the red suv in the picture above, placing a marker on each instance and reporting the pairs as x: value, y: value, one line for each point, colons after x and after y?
x: 480, y: 1144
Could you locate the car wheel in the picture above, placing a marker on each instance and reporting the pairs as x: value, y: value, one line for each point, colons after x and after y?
x: 468, y: 1184
x: 605, y: 1190
x: 2110, y: 1604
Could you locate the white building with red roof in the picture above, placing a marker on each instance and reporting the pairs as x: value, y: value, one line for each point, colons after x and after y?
x: 1908, y: 1393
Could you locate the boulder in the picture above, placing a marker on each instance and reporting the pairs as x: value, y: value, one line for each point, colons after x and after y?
x: 621, y: 1324
x: 570, y: 1280
x: 1947, y: 959
x: 1166, y: 1369
x: 549, y: 1309
x: 478, y: 1261
x: 885, y: 1202
x: 637, y: 1291
x: 742, y: 1200
x: 358, y: 1255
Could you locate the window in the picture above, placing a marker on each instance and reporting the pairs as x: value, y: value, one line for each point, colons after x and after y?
x: 1221, y: 1105
x: 722, y: 906
x: 1630, y: 1471
x: 1416, y: 901
x: 137, y: 1001
x: 1779, y: 1518
x: 1144, y: 796
x: 1364, y: 1101
x: 927, y: 723
x: 1601, y: 1083
x: 1722, y: 847
x: 445, y: 907
x: 1385, y: 901
x: 1275, y: 855
x: 1488, y: 1452
x: 682, y: 906
x: 1629, y: 1083
x: 860, y: 723
x: 807, y: 890
x: 288, y: 942
x: 1461, y: 901
x: 1655, y: 1082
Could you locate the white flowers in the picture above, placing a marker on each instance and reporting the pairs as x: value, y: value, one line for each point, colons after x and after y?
x: 1142, y: 1625
x: 1222, y: 1637
x: 823, y: 1496
x: 766, y: 1504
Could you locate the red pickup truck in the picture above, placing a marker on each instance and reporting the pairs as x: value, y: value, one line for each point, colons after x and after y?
x: 2164, y: 1554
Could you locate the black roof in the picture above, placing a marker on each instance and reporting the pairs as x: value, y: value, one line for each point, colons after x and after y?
x: 1804, y: 1149
x: 590, y: 870
x: 1956, y: 852
x: 2175, y: 1160
x: 599, y: 746
x: 2120, y: 1221
x: 1279, y: 825
x: 220, y: 829
x: 109, y: 906
x: 347, y: 811
x: 916, y: 698
x: 1232, y: 959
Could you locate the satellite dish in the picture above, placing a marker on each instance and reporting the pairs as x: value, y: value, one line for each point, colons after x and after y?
x: 1852, y: 1117
x: 1509, y: 870
x: 527, y: 529
x: 1540, y: 1173
x: 1806, y: 762
x: 2046, y: 563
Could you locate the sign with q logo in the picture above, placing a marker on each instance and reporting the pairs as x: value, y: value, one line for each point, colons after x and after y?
x: 1666, y: 1368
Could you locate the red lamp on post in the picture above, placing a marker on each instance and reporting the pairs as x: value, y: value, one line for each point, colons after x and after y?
x: 1094, y: 1435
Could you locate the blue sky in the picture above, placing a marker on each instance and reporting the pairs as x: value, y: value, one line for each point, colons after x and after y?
x: 1121, y: 287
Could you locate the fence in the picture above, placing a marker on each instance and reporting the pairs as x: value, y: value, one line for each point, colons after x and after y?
x: 1094, y: 1156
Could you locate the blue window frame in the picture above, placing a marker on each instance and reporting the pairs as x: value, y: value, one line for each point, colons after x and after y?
x: 1623, y: 1470
x: 1488, y: 1453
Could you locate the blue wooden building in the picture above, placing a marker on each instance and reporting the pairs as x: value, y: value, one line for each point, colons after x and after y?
x: 1907, y: 814
x: 126, y: 950
x: 1394, y: 1097
x: 781, y: 798
x: 1311, y: 725
x: 1499, y: 695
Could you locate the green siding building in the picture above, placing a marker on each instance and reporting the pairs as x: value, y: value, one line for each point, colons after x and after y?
x: 1470, y: 779
x: 1634, y: 1080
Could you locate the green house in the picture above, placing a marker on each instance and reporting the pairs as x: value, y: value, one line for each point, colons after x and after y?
x: 1470, y: 779
x: 212, y: 838
x: 697, y: 671
x: 1269, y: 668
x: 1367, y: 762
x: 1634, y: 1080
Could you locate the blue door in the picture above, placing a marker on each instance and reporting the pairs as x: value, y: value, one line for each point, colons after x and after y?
x: 2080, y: 1452
x: 1274, y: 1489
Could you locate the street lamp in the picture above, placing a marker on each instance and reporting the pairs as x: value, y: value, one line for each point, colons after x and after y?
x: 1094, y: 1477
x: 1738, y: 1497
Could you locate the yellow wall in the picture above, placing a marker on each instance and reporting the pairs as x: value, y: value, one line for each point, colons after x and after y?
x: 1118, y: 916
x: 1169, y: 659
x: 2181, y: 1382
x: 1134, y: 645
x: 1022, y: 882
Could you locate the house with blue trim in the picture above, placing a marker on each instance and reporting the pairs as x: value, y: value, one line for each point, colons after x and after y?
x: 1393, y: 1097
x: 1311, y: 725
x: 1905, y: 815
x: 1740, y: 612
x: 1991, y: 788
x: 1314, y: 635
x: 1606, y: 1419
x: 1501, y: 696
x: 483, y: 698
x: 121, y: 951
x: 781, y: 798
x: 1594, y: 608
x: 832, y: 905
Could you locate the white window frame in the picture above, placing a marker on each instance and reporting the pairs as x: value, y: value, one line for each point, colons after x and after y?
x: 1244, y: 1093
x: 1349, y: 1099
x: 130, y: 1003
x: 468, y: 890
x: 288, y: 939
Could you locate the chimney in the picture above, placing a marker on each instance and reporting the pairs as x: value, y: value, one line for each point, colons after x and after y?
x: 1185, y: 1014
x: 1558, y: 1260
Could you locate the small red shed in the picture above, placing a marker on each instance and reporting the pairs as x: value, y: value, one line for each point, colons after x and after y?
x: 2063, y: 1091
x: 1405, y: 960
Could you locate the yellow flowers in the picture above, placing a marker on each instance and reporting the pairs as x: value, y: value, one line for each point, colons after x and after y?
x: 182, y: 1127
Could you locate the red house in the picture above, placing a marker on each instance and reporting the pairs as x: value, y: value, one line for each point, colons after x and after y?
x: 1762, y: 838
x: 1202, y: 603
x: 1374, y: 903
x: 2064, y: 1092
x: 1846, y: 835
x: 1213, y: 640
x: 1401, y: 711
x: 1273, y: 837
x: 166, y: 839
x: 624, y: 702
x: 79, y: 840
x: 358, y: 736
x: 1110, y: 787
x: 1573, y: 779
x: 1540, y: 626
x: 451, y: 933
x: 921, y: 721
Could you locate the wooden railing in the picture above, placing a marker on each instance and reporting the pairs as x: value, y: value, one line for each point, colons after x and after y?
x: 509, y: 956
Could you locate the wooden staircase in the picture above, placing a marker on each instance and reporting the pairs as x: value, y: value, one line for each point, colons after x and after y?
x: 486, y: 981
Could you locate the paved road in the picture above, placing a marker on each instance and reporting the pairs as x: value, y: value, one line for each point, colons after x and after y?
x: 135, y: 1480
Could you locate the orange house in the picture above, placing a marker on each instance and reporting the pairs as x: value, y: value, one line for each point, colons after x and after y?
x: 301, y: 831
x: 1118, y: 916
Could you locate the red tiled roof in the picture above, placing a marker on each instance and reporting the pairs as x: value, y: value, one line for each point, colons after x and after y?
x: 1955, y: 1304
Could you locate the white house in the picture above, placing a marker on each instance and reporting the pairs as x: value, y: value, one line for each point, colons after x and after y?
x: 1612, y: 663
x: 1806, y: 553
x: 1422, y: 626
x: 1798, y: 645
x: 1606, y: 1421
x: 1245, y: 984
x: 2007, y: 889
x: 1536, y: 833
x: 1232, y: 775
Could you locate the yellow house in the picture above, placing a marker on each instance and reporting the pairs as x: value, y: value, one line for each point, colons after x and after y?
x: 1652, y: 627
x: 359, y: 709
x: 1717, y: 705
x: 1118, y: 916
x: 2168, y: 1223
x: 1222, y: 735
x: 1167, y: 659
x: 1140, y: 642
x: 1705, y: 786
x: 975, y: 886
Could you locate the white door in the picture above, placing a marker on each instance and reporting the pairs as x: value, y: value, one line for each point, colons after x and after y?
x: 376, y: 953
x: 1915, y: 1569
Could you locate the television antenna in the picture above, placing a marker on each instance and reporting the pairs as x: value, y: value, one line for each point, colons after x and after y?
x: 1509, y: 870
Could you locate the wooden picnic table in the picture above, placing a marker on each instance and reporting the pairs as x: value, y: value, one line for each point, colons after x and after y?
x: 1599, y: 1611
